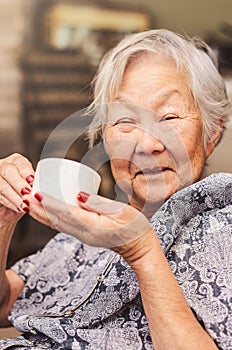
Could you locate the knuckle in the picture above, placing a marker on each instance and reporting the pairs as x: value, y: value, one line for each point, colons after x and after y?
x: 15, y: 155
x: 3, y: 163
x: 55, y: 223
x: 7, y: 162
x: 4, y: 188
x: 20, y: 159
x: 15, y: 162
x: 7, y: 170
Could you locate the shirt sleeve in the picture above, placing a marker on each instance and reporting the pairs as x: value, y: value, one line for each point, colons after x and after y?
x: 25, y: 267
x: 61, y: 245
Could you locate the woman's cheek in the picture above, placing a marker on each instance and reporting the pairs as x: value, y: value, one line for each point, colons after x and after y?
x: 120, y: 168
x: 118, y: 146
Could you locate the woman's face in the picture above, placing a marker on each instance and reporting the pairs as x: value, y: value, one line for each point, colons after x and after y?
x: 154, y: 133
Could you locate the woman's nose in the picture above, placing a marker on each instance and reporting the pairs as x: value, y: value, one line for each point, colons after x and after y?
x: 148, y: 143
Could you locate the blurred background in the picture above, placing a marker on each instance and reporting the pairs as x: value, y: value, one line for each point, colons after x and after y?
x: 49, y: 52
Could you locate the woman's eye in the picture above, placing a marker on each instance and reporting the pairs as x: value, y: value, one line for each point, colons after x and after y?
x: 125, y: 124
x: 169, y: 116
x: 125, y: 121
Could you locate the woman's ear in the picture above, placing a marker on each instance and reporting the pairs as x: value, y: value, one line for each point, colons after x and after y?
x: 214, y: 140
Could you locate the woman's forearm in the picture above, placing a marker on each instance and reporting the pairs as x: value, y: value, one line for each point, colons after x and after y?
x: 6, y: 232
x: 171, y: 321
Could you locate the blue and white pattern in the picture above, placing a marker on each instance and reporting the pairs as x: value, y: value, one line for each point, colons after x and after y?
x: 195, y: 230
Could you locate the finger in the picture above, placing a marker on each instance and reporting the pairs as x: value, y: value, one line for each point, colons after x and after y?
x: 65, y: 216
x: 106, y: 215
x: 120, y: 215
x: 49, y: 210
x: 51, y: 204
x: 90, y: 227
x: 35, y: 209
x: 73, y: 220
x: 8, y: 204
x: 23, y: 165
x: 9, y: 195
x: 10, y: 174
x: 16, y: 167
x: 100, y: 204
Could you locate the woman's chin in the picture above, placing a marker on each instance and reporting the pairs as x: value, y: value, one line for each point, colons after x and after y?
x: 152, y: 192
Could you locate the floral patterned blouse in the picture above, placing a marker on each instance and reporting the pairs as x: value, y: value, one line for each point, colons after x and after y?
x: 80, y: 297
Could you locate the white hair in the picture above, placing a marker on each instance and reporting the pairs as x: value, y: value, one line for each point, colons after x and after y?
x: 190, y: 55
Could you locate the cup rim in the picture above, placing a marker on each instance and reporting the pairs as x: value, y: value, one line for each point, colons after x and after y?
x: 47, y: 159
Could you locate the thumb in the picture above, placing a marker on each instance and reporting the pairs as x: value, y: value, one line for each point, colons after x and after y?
x: 99, y: 204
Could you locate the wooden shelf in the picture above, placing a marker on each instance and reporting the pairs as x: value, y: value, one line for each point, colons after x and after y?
x: 55, y: 85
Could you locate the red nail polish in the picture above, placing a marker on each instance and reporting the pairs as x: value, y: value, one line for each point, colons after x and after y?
x: 82, y: 197
x: 30, y: 178
x: 26, y: 209
x: 26, y: 202
x: 38, y: 196
x: 25, y: 190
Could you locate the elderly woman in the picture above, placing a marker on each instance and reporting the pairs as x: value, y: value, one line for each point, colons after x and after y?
x: 161, y: 275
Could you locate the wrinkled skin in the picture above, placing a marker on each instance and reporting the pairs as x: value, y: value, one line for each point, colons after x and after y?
x: 155, y: 149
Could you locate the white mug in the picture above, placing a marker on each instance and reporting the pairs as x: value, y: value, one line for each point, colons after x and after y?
x: 63, y: 179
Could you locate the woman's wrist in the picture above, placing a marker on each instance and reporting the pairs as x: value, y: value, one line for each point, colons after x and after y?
x: 7, y: 227
x: 162, y: 297
x: 137, y: 253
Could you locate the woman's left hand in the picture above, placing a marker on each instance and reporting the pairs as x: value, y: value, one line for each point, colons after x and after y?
x: 95, y: 220
x: 98, y: 221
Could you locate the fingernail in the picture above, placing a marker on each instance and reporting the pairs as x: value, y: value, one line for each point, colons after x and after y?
x: 30, y: 178
x: 25, y: 190
x: 25, y: 208
x: 38, y: 196
x: 26, y: 202
x: 82, y: 197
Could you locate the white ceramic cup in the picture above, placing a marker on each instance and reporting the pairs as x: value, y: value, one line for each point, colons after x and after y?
x: 63, y: 179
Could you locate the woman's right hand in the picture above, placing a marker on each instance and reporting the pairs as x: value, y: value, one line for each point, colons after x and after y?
x: 16, y: 178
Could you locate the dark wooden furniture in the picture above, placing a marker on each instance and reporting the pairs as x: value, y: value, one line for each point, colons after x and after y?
x: 55, y: 85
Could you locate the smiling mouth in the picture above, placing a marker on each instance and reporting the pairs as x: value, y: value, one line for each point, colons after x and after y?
x: 151, y: 171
